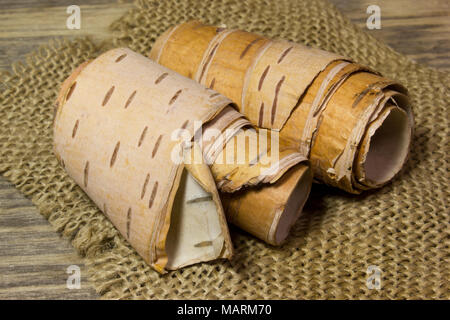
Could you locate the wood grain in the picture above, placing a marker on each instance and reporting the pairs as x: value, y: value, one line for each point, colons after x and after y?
x: 26, y: 25
x: 419, y: 29
x: 33, y: 257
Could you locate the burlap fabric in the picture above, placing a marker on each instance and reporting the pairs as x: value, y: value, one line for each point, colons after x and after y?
x: 402, y: 228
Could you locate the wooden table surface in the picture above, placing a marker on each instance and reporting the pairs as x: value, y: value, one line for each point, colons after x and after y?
x: 33, y: 257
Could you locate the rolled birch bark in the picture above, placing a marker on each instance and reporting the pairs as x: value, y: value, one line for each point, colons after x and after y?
x: 321, y: 103
x: 269, y: 211
x: 115, y: 133
x: 264, y: 185
x: 112, y: 133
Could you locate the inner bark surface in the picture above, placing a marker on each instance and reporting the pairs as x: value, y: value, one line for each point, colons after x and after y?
x: 195, y: 233
x: 388, y: 148
x: 293, y: 207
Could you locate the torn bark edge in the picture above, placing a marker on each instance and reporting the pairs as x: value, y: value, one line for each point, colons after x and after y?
x: 405, y: 134
x: 345, y: 165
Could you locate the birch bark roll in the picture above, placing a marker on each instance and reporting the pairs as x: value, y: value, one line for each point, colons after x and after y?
x: 276, y: 178
x: 114, y: 129
x: 112, y: 132
x: 320, y: 102
x: 269, y: 211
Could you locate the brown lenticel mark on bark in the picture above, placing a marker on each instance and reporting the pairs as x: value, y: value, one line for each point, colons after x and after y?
x: 144, y: 187
x: 203, y: 244
x: 128, y: 222
x: 175, y: 97
x: 86, y: 174
x: 213, y: 81
x: 142, y: 137
x: 130, y: 99
x: 153, y: 195
x: 214, y: 95
x: 120, y: 58
x: 184, y: 126
x: 284, y: 54
x: 161, y: 77
x: 75, y: 128
x: 247, y: 48
x: 263, y: 76
x: 261, y: 115
x: 220, y: 29
x: 208, y: 60
x: 321, y: 102
x: 275, y: 99
x: 359, y: 98
x: 107, y: 96
x: 71, y: 89
x: 366, y: 91
x: 63, y: 164
x: 155, y: 148
x: 114, y: 154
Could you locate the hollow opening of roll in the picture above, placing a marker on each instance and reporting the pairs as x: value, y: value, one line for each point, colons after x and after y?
x: 195, y: 233
x: 293, y: 207
x: 388, y: 148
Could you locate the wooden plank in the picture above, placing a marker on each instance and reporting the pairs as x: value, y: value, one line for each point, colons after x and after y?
x: 33, y: 257
x: 419, y: 29
x: 23, y: 29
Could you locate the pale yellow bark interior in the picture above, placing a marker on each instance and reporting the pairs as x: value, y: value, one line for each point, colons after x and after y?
x: 195, y: 233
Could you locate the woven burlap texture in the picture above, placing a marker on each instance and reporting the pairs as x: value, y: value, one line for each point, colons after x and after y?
x: 402, y: 228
